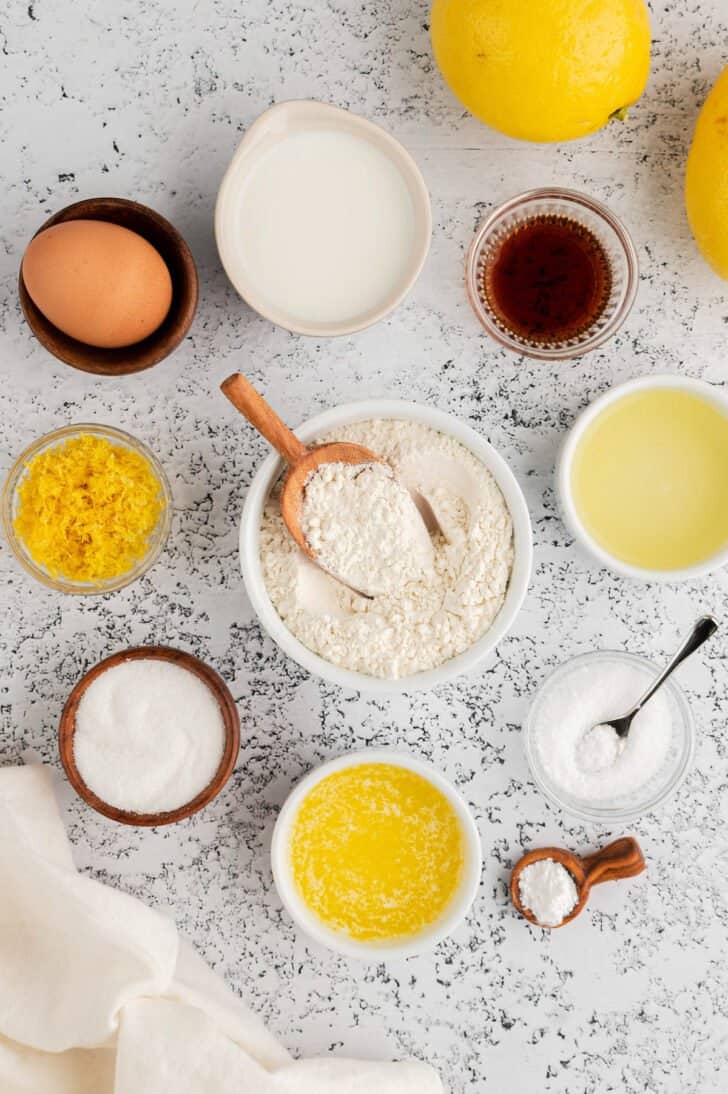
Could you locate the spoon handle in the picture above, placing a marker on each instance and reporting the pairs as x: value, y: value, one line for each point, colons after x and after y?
x: 253, y: 406
x: 701, y: 632
x: 623, y: 858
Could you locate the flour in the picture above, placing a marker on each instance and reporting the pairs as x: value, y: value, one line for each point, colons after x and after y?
x: 548, y: 891
x: 364, y: 527
x: 428, y: 620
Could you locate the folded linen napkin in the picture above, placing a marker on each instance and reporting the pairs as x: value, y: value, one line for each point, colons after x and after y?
x: 99, y: 995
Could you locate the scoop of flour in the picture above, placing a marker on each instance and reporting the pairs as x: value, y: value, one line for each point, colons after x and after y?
x: 364, y: 527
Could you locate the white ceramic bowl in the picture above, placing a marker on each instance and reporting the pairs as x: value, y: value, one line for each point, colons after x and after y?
x: 268, y: 474
x: 274, y: 125
x: 341, y: 943
x: 569, y: 512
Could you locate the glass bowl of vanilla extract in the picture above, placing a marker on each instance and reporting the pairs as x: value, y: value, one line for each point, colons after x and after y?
x: 552, y: 274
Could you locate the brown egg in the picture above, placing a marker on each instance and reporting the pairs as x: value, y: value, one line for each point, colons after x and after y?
x: 98, y: 282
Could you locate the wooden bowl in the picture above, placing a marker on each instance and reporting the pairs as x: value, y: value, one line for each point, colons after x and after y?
x: 620, y: 859
x: 203, y: 672
x: 158, y: 345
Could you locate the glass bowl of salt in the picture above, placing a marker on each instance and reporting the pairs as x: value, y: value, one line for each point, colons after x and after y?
x: 605, y: 786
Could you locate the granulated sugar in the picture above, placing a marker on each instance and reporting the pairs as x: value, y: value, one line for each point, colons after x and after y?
x: 428, y: 620
x: 364, y: 527
x: 149, y: 736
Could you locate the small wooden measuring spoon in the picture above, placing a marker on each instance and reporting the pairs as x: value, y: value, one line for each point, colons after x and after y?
x: 620, y: 859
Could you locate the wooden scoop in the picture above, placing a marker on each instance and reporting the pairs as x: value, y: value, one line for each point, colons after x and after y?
x: 301, y: 461
x: 620, y: 859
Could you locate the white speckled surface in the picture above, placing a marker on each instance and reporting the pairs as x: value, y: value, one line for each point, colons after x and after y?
x: 148, y: 100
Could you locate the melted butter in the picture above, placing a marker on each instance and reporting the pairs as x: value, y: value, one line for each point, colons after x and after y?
x: 377, y: 852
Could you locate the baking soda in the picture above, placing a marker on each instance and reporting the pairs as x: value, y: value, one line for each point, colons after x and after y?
x: 548, y: 891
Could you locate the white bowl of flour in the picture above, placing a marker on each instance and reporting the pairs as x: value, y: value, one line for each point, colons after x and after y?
x: 426, y: 635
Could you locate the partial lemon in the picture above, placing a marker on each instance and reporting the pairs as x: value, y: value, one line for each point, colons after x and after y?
x: 543, y: 70
x: 706, y: 178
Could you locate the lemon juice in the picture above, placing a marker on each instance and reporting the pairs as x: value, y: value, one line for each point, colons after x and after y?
x: 649, y: 479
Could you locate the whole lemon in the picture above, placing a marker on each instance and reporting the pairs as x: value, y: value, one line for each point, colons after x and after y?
x: 543, y: 70
x: 706, y: 178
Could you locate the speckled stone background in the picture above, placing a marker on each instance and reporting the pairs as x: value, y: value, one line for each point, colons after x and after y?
x: 148, y: 100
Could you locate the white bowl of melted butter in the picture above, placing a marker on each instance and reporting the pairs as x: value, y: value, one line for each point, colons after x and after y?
x: 417, y: 641
x: 322, y: 220
x: 376, y: 855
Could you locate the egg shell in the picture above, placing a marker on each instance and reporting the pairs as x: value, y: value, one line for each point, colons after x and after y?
x: 100, y: 283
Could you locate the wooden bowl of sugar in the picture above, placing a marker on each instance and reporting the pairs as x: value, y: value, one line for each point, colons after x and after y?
x: 149, y: 736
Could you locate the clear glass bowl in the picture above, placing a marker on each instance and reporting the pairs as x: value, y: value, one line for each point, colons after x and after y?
x: 157, y: 539
x: 594, y: 216
x: 651, y: 794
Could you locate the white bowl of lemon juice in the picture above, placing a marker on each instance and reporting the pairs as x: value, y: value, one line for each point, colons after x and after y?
x: 376, y: 855
x: 643, y: 480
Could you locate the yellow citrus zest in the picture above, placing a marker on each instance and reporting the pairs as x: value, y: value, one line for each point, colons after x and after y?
x: 87, y: 508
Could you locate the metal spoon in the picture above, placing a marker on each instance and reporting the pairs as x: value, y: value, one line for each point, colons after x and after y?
x: 302, y: 462
x: 701, y: 632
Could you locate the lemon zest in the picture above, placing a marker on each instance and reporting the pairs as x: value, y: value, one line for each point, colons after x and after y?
x: 87, y: 509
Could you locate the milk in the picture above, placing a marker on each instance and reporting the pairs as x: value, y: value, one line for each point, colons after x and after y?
x: 326, y: 226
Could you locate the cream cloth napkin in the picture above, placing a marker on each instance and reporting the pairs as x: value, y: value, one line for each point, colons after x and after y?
x: 99, y: 995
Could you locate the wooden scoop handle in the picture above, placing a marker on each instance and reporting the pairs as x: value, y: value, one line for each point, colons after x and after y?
x: 253, y: 406
x: 623, y: 858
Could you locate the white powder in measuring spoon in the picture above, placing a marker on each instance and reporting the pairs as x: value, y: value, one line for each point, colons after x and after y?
x: 364, y: 527
x: 149, y: 736
x: 548, y: 891
x: 590, y: 764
